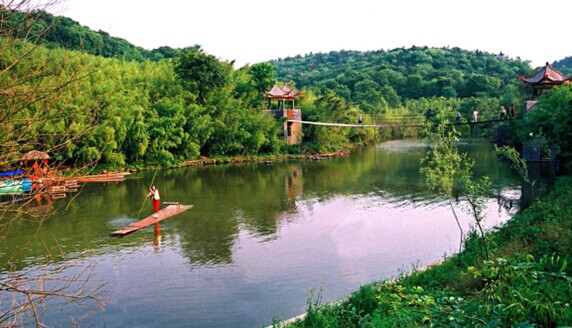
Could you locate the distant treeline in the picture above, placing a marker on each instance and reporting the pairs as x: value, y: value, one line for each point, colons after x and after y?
x: 371, y: 79
x: 564, y: 65
x: 57, y: 31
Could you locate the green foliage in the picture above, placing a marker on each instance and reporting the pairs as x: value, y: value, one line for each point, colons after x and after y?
x: 443, y: 164
x: 417, y: 72
x: 327, y: 108
x: 525, y: 290
x: 203, y: 73
x: 552, y: 119
x: 446, y: 169
x: 518, y: 162
x: 394, y: 88
x: 564, y: 65
x: 263, y: 76
x: 127, y: 113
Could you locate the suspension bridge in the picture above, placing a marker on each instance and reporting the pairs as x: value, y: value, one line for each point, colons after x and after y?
x: 398, y: 124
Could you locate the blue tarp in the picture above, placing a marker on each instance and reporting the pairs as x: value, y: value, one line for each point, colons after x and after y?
x: 10, y: 173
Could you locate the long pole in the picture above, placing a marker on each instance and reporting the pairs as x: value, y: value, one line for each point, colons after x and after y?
x: 152, y: 181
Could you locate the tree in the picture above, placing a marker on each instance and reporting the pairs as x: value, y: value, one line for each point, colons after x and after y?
x: 201, y: 72
x: 443, y: 163
x: 480, y: 84
x: 447, y: 171
x: 552, y: 119
x: 327, y: 108
x: 263, y: 76
x: 391, y: 96
x: 414, y: 86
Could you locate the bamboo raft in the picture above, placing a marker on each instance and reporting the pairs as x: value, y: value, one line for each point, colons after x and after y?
x: 106, y: 177
x: 170, y: 210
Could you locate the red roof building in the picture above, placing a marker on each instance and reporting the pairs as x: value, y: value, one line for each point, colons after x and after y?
x: 292, y: 126
x: 284, y: 93
x: 548, y: 77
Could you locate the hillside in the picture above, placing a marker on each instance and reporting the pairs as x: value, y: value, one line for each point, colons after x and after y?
x: 56, y: 31
x: 564, y: 65
x: 417, y: 72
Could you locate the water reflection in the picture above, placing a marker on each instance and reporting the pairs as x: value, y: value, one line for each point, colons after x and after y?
x: 253, y: 197
x: 157, y: 230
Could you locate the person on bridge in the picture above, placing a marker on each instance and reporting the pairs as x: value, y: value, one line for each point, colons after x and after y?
x: 511, y: 108
x: 360, y: 119
x: 476, y: 116
x: 154, y: 194
x: 503, y: 114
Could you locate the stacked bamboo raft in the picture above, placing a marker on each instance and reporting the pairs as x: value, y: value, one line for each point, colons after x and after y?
x: 106, y: 177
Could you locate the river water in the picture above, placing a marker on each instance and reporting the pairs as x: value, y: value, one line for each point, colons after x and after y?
x: 258, y: 240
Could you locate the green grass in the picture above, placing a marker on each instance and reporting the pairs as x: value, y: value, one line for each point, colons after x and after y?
x: 526, y: 283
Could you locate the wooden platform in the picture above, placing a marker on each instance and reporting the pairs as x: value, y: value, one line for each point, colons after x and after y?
x: 164, y: 213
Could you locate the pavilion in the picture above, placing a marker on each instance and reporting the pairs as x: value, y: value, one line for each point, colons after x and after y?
x: 284, y: 98
x: 547, y: 78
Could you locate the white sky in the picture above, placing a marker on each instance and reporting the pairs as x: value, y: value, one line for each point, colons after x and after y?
x: 253, y: 31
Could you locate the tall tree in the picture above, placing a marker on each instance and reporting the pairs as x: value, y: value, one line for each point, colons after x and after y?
x: 201, y: 72
x: 263, y: 76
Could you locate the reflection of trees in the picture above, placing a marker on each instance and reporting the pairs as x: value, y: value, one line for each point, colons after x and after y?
x: 255, y: 196
x: 225, y: 197
x: 542, y: 176
x: 228, y: 199
x: 208, y: 243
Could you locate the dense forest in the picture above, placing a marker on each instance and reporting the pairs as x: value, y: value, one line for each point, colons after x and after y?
x: 399, y: 75
x: 125, y: 105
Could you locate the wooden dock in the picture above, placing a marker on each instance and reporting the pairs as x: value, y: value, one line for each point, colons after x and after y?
x: 164, y: 213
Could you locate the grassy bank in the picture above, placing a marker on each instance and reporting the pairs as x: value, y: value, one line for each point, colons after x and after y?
x: 527, y: 282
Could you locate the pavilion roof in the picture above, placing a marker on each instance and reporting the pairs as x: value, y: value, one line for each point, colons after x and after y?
x: 547, y: 77
x: 284, y: 93
x: 35, y: 155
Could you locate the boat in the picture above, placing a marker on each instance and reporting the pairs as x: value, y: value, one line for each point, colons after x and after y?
x: 15, y: 186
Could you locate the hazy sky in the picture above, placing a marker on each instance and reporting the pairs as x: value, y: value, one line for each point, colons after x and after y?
x: 252, y: 31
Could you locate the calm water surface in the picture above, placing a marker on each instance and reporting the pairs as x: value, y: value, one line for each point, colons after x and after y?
x: 258, y: 240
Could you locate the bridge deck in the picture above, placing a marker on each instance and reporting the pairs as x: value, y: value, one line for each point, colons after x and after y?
x: 388, y: 125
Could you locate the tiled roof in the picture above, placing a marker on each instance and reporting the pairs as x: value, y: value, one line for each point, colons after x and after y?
x: 547, y: 75
x: 282, y: 93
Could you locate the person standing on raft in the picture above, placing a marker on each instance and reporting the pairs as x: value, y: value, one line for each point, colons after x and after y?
x: 154, y: 194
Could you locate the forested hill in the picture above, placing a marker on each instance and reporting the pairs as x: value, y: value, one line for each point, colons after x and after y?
x: 55, y: 31
x: 564, y: 65
x: 413, y: 73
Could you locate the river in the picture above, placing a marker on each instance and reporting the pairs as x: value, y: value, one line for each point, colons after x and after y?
x: 258, y: 240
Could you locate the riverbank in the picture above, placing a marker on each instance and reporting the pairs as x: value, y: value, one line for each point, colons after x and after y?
x: 203, y: 160
x: 527, y: 280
